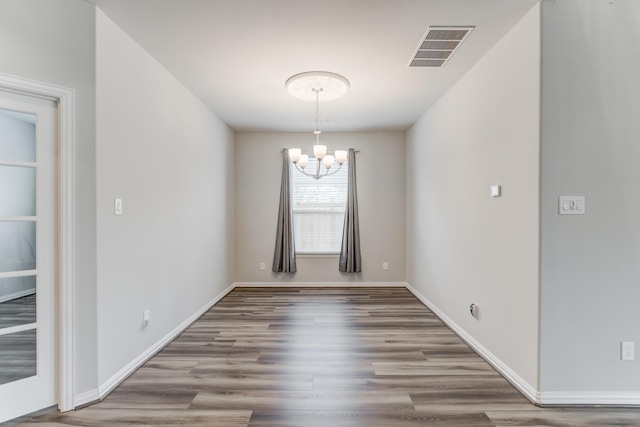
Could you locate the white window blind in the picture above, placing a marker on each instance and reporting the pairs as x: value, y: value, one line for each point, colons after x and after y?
x: 318, y: 209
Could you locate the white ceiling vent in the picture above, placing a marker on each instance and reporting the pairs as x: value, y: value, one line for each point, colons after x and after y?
x: 438, y: 45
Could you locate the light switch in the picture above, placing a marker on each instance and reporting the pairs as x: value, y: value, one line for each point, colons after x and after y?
x: 117, y: 206
x: 626, y: 350
x: 571, y: 205
x: 146, y: 318
x: 496, y: 191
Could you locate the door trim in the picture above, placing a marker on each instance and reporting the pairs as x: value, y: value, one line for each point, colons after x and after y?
x: 65, y: 286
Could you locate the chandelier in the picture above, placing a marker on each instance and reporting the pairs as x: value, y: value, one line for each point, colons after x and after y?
x: 317, y: 86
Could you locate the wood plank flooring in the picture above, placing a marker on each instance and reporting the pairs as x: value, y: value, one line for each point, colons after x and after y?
x: 18, y: 311
x: 337, y: 357
x: 17, y: 350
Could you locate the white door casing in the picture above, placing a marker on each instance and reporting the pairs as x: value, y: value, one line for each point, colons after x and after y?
x: 27, y: 218
x: 65, y: 225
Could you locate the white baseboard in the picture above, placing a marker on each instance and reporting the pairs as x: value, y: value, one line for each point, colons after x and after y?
x: 127, y: 370
x: 318, y: 284
x: 525, y: 388
x: 582, y: 398
x: 86, y: 397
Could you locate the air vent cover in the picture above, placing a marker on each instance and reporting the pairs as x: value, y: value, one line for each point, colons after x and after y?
x: 438, y: 45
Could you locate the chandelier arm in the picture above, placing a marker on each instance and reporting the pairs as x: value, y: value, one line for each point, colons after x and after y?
x: 335, y: 171
x: 316, y: 176
x: 300, y: 170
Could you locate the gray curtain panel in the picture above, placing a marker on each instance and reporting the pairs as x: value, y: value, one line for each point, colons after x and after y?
x: 284, y: 256
x: 350, y: 260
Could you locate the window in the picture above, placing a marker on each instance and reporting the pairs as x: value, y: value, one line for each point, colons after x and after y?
x: 318, y: 209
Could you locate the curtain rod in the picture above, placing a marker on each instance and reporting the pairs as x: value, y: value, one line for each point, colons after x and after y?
x: 285, y: 149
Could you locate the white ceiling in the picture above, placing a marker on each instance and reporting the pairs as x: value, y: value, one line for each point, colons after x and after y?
x: 236, y: 55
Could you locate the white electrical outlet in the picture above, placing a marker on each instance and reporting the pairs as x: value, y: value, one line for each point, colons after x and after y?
x: 385, y: 265
x: 263, y: 266
x: 571, y: 205
x: 473, y: 309
x: 626, y: 350
x: 146, y: 318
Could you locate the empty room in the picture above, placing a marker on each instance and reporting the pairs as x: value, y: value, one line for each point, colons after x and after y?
x: 319, y: 213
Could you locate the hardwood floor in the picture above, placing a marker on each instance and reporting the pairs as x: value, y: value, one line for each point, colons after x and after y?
x: 332, y: 357
x: 18, y: 311
x: 18, y: 349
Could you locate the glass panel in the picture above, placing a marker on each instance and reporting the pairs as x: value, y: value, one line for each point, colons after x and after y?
x: 17, y: 301
x: 17, y: 356
x: 17, y: 136
x: 17, y: 191
x: 17, y: 246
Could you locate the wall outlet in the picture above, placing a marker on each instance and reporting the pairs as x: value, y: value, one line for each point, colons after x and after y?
x: 571, y: 205
x: 263, y: 266
x: 626, y: 350
x: 146, y: 318
x: 473, y: 309
x: 385, y: 265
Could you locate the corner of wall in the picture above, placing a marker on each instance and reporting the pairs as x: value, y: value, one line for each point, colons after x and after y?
x: 464, y: 246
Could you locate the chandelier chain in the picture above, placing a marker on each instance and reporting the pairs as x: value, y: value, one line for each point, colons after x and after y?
x: 317, y: 129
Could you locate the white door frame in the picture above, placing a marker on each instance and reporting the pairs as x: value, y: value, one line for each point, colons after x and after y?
x: 65, y: 334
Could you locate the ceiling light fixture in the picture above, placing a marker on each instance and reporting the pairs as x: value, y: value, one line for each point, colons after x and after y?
x: 317, y: 86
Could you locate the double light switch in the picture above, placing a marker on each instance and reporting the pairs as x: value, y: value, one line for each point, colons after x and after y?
x: 571, y: 205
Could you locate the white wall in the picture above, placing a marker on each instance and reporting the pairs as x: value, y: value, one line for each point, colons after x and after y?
x: 464, y: 246
x: 53, y: 41
x: 590, y: 269
x: 171, y: 161
x: 381, y: 203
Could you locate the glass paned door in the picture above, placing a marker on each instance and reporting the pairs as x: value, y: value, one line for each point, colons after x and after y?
x: 27, y: 254
x: 18, y: 277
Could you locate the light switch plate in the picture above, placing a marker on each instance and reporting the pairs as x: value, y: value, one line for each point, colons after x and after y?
x: 626, y: 350
x: 571, y: 205
x: 496, y: 191
x: 146, y: 318
x: 117, y: 206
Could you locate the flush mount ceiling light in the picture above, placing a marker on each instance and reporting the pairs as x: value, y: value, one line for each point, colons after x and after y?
x: 317, y: 86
